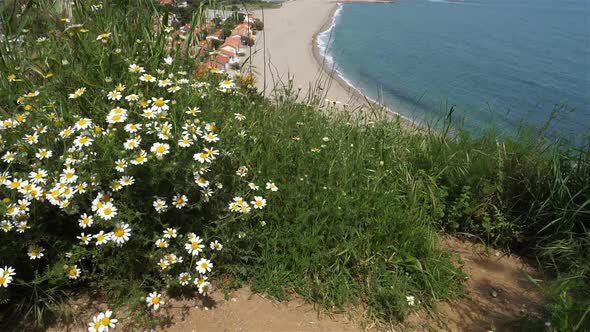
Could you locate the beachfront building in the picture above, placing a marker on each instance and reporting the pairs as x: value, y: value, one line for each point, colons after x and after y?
x: 232, y: 56
x: 243, y: 30
x: 217, y: 35
x: 232, y: 44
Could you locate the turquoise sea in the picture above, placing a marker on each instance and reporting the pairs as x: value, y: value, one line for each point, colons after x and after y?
x: 501, y: 63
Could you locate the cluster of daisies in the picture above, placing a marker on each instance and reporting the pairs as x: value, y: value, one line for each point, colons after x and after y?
x: 58, y: 155
x: 169, y: 246
x: 56, y: 160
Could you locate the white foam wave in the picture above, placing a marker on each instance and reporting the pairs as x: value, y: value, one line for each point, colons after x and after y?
x: 324, y: 39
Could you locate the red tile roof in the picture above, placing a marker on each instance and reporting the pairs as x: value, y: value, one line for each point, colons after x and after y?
x: 217, y: 34
x: 232, y: 41
x: 226, y: 52
x: 221, y: 59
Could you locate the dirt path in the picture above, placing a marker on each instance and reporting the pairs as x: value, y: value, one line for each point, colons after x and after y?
x: 497, y: 293
x: 253, y: 312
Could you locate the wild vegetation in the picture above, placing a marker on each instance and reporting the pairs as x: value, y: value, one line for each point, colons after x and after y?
x: 127, y: 177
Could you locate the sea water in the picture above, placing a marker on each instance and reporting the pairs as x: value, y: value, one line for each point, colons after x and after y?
x: 501, y: 63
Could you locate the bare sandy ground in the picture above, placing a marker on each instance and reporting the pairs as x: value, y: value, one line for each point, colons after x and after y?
x: 496, y: 293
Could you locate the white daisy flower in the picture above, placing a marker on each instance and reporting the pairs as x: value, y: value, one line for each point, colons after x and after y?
x: 154, y: 300
x: 74, y: 272
x: 195, y: 246
x: 160, y: 205
x: 215, y: 245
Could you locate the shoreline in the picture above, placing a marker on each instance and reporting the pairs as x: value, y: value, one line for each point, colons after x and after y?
x: 288, y: 52
x: 336, y: 76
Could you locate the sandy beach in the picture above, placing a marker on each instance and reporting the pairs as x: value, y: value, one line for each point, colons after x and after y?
x: 287, y: 49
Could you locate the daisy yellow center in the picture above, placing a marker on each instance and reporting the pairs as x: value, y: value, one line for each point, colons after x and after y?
x: 148, y: 77
x: 100, y: 237
x: 84, y: 140
x: 69, y: 175
x: 73, y: 272
x: 34, y: 253
x: 86, y: 221
x: 156, y: 300
x: 179, y: 201
x: 82, y: 122
x: 119, y: 232
x: 258, y: 203
x: 139, y: 158
x: 204, y: 155
x: 195, y: 245
x: 161, y: 149
x: 162, y: 244
x: 159, y: 102
x: 105, y: 321
x: 103, y: 35
x: 108, y: 211
x: 2, y: 280
x: 226, y: 82
x: 204, y: 265
x: 116, y: 117
x: 38, y: 176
